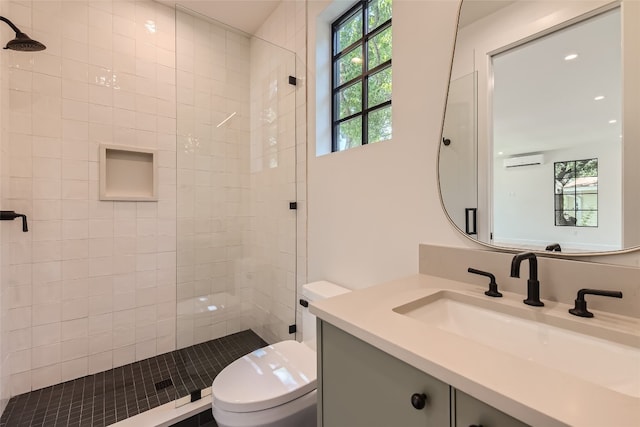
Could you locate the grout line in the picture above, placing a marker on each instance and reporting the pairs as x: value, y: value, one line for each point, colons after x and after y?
x: 113, y: 396
x: 169, y: 413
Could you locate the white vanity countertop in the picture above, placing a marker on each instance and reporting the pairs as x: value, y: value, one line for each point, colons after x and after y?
x: 532, y: 393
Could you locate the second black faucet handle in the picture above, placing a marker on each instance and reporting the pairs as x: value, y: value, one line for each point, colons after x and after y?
x: 580, y: 308
x: 493, y: 286
x: 554, y: 247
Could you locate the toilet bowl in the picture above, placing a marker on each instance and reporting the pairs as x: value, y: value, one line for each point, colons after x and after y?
x: 274, y: 386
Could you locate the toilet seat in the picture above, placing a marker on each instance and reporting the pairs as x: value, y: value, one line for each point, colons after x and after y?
x: 265, y: 378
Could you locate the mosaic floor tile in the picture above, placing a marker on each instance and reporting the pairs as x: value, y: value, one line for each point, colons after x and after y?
x: 107, y: 397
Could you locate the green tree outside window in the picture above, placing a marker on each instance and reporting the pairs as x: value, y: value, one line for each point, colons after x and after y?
x: 362, y: 75
x: 576, y: 193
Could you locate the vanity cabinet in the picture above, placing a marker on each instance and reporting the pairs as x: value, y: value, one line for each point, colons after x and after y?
x: 472, y: 412
x: 362, y: 386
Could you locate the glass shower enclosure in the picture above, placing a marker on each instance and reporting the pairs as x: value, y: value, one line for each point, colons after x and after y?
x: 236, y: 180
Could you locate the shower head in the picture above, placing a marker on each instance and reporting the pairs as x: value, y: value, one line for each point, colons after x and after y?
x: 22, y: 42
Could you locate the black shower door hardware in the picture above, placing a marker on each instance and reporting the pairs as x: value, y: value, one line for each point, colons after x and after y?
x: 470, y: 221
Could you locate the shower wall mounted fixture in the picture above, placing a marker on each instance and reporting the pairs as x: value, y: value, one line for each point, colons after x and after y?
x: 11, y: 215
x: 22, y: 42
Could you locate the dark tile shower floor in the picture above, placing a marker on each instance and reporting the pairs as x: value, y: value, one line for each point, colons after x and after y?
x: 114, y: 395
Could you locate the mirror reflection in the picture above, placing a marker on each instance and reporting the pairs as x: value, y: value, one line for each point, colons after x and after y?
x: 539, y: 136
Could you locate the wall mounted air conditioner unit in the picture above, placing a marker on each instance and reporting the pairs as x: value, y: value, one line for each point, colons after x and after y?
x: 528, y: 160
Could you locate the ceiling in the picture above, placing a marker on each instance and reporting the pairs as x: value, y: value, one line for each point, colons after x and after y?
x: 245, y: 15
x: 475, y: 10
x: 543, y: 102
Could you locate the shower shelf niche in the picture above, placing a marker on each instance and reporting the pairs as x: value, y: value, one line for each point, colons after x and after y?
x: 128, y: 173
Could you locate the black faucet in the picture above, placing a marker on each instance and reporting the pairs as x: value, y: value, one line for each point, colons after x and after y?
x: 533, y: 285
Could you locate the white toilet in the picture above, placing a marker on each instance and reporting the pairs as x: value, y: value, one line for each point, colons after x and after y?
x: 274, y: 386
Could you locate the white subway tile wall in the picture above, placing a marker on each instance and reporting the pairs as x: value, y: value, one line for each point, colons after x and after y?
x: 92, y: 284
x: 95, y: 285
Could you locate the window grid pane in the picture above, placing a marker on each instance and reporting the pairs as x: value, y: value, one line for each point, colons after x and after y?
x: 379, y: 87
x: 576, y: 193
x: 349, y: 100
x: 349, y: 32
x: 379, y: 48
x: 350, y: 133
x: 378, y: 12
x: 349, y: 66
x: 362, y: 75
x: 379, y: 125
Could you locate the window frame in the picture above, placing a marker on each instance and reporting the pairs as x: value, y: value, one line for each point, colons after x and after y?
x: 575, y: 194
x: 361, y: 8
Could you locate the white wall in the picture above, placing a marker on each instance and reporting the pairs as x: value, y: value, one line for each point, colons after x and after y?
x: 523, y: 200
x: 369, y: 207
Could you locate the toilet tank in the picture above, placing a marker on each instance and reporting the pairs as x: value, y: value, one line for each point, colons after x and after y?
x: 313, y: 292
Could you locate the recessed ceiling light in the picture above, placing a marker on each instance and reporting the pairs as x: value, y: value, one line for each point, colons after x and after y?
x: 356, y: 60
x: 613, y: 121
x: 571, y: 57
x: 500, y: 153
x: 599, y: 98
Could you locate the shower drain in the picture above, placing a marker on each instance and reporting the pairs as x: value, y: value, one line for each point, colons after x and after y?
x: 163, y: 384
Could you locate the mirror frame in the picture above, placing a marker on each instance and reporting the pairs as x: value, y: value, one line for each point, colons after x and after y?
x: 567, y: 255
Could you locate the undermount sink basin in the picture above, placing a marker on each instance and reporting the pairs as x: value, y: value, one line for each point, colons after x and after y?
x: 534, y: 336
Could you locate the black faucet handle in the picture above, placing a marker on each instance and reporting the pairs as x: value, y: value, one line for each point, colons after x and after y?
x: 580, y: 308
x: 25, y: 227
x: 11, y: 215
x: 554, y: 247
x: 493, y: 286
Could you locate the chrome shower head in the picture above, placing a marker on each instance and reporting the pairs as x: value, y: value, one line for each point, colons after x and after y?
x: 22, y: 42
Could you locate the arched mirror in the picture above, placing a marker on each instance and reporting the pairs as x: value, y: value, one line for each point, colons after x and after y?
x: 541, y: 136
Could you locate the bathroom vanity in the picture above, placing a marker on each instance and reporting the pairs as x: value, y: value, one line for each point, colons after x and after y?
x: 384, y: 360
x: 359, y: 378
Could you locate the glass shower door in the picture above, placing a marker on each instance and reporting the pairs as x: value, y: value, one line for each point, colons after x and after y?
x: 458, y: 172
x: 236, y: 233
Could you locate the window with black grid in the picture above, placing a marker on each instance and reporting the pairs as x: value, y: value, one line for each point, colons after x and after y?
x: 361, y: 77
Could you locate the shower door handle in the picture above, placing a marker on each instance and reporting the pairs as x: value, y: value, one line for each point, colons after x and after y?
x: 470, y: 221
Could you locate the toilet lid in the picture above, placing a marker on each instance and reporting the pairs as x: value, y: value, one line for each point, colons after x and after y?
x: 265, y: 378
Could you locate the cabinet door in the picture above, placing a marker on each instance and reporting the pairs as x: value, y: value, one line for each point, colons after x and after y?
x: 361, y: 386
x: 472, y: 412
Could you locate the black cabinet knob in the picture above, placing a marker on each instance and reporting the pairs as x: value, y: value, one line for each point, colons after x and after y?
x: 418, y: 400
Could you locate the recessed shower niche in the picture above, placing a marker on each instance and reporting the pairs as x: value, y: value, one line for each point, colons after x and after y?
x: 127, y: 173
